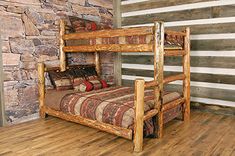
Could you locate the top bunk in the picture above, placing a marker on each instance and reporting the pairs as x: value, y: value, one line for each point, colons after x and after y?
x: 135, y: 39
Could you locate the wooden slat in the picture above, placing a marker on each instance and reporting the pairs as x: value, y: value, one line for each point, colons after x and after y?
x: 150, y: 114
x: 172, y: 104
x: 173, y: 78
x: 110, y: 48
x: 228, y: 44
x: 156, y: 4
x: 211, y: 93
x: 210, y: 28
x: 109, y: 33
x: 174, y: 52
x: 203, y: 13
x: 213, y: 78
x: 119, y: 131
x: 196, y: 61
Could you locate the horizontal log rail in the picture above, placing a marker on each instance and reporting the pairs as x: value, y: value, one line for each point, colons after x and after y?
x: 119, y: 131
x: 149, y: 84
x: 110, y: 33
x: 110, y: 48
x: 175, y: 33
x: 174, y: 52
x: 68, y: 67
x: 173, y: 78
x: 150, y: 114
x: 172, y: 104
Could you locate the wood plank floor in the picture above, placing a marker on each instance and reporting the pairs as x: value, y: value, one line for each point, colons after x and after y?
x: 206, y: 134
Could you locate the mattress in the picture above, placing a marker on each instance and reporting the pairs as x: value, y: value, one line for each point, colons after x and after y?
x: 114, y: 105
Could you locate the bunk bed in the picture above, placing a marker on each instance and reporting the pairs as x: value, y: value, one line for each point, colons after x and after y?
x: 139, y: 96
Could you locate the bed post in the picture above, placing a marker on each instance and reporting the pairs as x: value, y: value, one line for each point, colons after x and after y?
x: 139, y: 115
x: 62, y: 53
x: 186, y: 71
x: 158, y: 73
x: 41, y: 89
x: 97, y: 63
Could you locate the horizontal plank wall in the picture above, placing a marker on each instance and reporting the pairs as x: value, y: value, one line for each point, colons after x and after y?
x: 212, y: 24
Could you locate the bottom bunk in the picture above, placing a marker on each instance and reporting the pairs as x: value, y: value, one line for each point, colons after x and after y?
x: 110, y: 107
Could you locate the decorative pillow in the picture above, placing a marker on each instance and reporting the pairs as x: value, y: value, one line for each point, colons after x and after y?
x: 60, y: 80
x: 86, y: 86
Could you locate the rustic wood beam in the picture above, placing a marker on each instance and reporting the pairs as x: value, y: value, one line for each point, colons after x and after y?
x: 173, y: 78
x: 41, y: 89
x: 139, y: 115
x: 97, y: 63
x: 62, y: 44
x: 119, y: 131
x: 150, y: 114
x: 158, y: 72
x: 149, y: 84
x: 175, y: 33
x: 186, y: 71
x: 110, y: 48
x: 109, y: 33
x: 173, y: 104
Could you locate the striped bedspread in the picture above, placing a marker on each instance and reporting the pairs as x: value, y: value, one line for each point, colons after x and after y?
x: 114, y: 105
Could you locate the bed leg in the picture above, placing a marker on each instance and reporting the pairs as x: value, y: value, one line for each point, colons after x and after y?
x: 41, y: 89
x: 160, y: 124
x: 139, y: 115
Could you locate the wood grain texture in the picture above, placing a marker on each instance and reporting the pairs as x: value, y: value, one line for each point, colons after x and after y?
x: 139, y: 115
x: 204, y: 13
x: 158, y: 74
x: 213, y: 78
x: 58, y: 137
x: 41, y: 89
x: 110, y: 48
x: 119, y: 131
x: 186, y: 72
x: 109, y: 33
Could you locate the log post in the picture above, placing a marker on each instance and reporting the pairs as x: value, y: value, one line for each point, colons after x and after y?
x: 186, y: 71
x: 158, y: 50
x: 62, y: 53
x: 41, y: 89
x: 139, y: 115
x: 97, y: 63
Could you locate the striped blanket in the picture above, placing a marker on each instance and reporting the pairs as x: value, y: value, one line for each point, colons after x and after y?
x: 114, y: 105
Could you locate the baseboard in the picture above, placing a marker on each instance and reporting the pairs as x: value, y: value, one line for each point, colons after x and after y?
x: 224, y: 110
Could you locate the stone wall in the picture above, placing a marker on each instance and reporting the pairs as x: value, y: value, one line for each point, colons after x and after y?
x: 29, y: 30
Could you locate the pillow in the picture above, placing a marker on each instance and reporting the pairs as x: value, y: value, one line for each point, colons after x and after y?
x: 87, y: 86
x: 81, y: 25
x: 60, y: 80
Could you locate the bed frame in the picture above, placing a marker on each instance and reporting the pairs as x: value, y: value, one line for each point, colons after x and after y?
x: 157, y: 47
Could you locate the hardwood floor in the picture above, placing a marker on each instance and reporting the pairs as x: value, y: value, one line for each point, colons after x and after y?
x: 206, y: 134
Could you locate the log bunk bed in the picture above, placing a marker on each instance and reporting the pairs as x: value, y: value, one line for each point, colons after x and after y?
x: 157, y: 46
